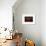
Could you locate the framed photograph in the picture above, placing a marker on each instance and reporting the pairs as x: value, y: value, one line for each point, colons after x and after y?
x: 28, y: 19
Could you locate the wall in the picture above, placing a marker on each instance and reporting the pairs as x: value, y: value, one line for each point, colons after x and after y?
x: 6, y: 13
x: 43, y: 22
x: 29, y: 31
